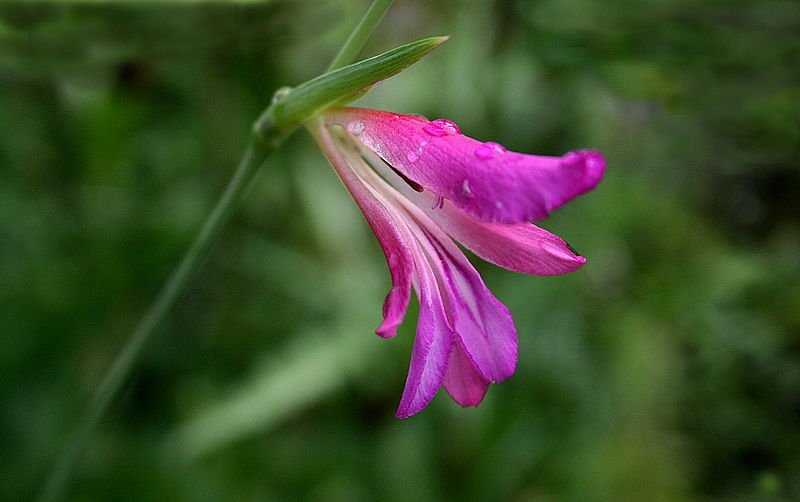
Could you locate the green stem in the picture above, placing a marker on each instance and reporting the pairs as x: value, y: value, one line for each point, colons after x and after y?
x: 360, y: 34
x: 253, y: 157
x: 258, y: 150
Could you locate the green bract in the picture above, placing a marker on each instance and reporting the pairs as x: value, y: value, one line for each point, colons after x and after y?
x: 292, y: 107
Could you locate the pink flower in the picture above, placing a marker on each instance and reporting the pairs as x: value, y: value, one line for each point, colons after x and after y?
x: 420, y: 184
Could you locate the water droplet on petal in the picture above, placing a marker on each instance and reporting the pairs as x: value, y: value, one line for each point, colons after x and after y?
x: 412, y: 156
x: 498, y: 204
x: 281, y: 94
x: 355, y: 128
x: 448, y: 125
x: 594, y: 161
x: 434, y: 130
x: 571, y: 159
x: 438, y: 203
x: 465, y: 189
x: 441, y: 127
x: 421, y: 147
x: 489, y: 150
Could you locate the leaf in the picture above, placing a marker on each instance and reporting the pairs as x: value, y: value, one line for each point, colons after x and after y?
x: 292, y: 107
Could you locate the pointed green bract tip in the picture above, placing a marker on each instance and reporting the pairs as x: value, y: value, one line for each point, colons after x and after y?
x: 293, y: 107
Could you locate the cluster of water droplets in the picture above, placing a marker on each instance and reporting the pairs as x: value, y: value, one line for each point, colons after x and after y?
x: 414, y: 155
x: 440, y: 128
x: 437, y: 128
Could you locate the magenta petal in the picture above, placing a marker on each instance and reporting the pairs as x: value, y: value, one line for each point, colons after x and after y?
x: 463, y: 382
x: 484, y: 179
x: 482, y: 324
x: 431, y: 351
x: 519, y: 247
x: 396, y: 302
x: 383, y: 224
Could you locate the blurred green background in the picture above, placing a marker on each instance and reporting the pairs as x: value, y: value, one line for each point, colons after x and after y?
x: 666, y: 369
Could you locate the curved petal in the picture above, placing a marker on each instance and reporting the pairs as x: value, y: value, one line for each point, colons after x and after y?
x: 432, y: 346
x: 481, y: 323
x: 462, y: 381
x: 519, y: 247
x: 383, y: 224
x: 396, y: 302
x: 483, y: 179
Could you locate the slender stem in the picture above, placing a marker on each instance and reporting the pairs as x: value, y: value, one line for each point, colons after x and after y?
x: 120, y: 370
x: 360, y: 34
x: 253, y: 157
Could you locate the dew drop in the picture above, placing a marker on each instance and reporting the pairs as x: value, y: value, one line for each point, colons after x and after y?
x: 434, y: 130
x: 571, y: 159
x: 281, y: 94
x: 489, y: 150
x: 421, y: 147
x: 498, y: 204
x: 438, y: 203
x: 441, y: 127
x: 412, y: 156
x: 448, y: 125
x: 465, y: 188
x: 355, y: 128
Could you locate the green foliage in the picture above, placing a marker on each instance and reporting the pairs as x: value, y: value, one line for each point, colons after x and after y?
x: 293, y: 106
x: 667, y: 369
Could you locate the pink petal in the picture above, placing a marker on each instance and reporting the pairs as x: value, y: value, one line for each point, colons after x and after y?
x: 383, y: 224
x: 463, y: 382
x: 483, y: 179
x: 400, y: 267
x: 482, y: 324
x: 519, y: 247
x: 432, y: 346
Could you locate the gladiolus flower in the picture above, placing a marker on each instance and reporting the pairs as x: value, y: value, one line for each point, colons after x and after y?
x: 421, y: 184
